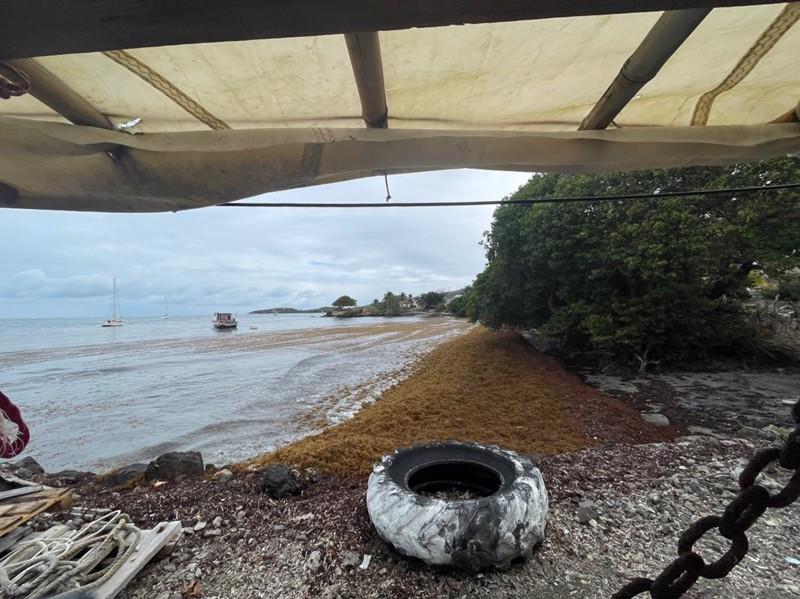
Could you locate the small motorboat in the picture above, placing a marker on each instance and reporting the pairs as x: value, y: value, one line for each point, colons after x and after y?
x: 224, y: 320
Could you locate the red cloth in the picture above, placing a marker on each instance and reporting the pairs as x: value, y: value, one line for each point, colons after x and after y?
x: 13, y: 413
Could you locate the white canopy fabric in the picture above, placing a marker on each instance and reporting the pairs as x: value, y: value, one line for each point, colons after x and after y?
x: 228, y: 120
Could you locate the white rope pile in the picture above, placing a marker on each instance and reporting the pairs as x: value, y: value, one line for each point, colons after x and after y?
x: 86, y: 559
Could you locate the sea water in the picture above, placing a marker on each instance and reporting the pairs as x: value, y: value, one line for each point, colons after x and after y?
x: 95, y: 398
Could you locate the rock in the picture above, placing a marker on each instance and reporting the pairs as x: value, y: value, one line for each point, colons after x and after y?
x: 73, y: 477
x: 217, y: 522
x: 278, y: 481
x: 350, y: 559
x: 23, y: 473
x: 655, y: 419
x: 174, y: 464
x: 30, y: 464
x: 314, y: 561
x: 223, y: 476
x: 587, y: 513
x: 212, y: 532
x: 124, y: 475
x: 240, y: 515
x: 700, y: 430
x: 199, y: 526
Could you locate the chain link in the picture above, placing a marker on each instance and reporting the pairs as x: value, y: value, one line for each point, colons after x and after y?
x: 742, y: 512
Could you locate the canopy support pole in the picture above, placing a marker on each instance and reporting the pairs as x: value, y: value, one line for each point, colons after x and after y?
x: 50, y: 90
x: 661, y: 42
x: 365, y: 57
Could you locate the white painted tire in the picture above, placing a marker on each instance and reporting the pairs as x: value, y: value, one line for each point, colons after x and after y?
x: 475, y: 534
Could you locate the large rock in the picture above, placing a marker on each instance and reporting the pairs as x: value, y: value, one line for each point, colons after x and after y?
x: 125, y: 475
x: 278, y: 481
x: 655, y: 419
x: 174, y: 464
x: 72, y: 477
x: 29, y: 464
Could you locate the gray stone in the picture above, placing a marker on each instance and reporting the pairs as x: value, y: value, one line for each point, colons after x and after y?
x: 699, y: 430
x: 217, y: 522
x: 223, y: 476
x: 73, y: 477
x: 314, y: 561
x: 587, y: 513
x: 350, y: 559
x: 23, y: 473
x: 174, y: 464
x: 124, y: 475
x: 655, y: 419
x: 30, y: 464
x: 278, y: 481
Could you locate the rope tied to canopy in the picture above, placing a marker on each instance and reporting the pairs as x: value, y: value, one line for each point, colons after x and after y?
x: 17, y: 84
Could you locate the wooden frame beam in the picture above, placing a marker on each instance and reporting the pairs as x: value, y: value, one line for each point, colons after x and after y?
x: 50, y: 90
x: 365, y: 57
x: 44, y: 27
x: 660, y: 43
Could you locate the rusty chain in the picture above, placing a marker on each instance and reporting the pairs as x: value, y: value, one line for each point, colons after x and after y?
x: 742, y: 512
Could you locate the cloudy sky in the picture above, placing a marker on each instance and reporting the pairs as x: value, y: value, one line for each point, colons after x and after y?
x: 62, y: 263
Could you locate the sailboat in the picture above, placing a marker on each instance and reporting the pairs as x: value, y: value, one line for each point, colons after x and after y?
x: 115, y: 320
x: 165, y: 315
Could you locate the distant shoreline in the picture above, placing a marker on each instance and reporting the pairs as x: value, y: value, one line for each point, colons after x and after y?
x: 290, y: 311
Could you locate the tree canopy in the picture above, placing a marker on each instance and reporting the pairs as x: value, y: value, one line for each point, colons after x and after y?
x: 649, y: 277
x: 344, y: 301
x: 432, y: 299
x: 391, y: 304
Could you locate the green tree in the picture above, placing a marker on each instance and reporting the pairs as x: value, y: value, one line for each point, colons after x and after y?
x: 344, y: 302
x: 459, y: 305
x: 650, y: 278
x: 391, y: 304
x: 432, y: 299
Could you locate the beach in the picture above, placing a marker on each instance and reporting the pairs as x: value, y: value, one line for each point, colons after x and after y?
x: 99, y: 398
x: 641, y: 485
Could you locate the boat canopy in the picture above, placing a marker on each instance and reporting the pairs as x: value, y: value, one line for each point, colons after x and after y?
x: 140, y: 107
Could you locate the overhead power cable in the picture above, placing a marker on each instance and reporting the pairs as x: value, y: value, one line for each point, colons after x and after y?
x: 525, y: 201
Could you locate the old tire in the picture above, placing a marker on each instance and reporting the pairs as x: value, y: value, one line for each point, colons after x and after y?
x: 505, y: 522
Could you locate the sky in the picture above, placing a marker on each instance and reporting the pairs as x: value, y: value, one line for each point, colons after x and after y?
x: 61, y: 264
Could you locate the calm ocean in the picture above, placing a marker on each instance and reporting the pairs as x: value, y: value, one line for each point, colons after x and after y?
x: 100, y: 397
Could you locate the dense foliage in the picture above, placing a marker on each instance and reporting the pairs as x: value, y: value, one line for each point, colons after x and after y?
x: 431, y: 299
x: 344, y: 301
x: 650, y: 278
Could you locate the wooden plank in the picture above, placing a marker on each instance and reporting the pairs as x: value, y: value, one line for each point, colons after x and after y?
x: 11, y: 538
x: 18, y: 510
x: 20, y: 491
x: 42, y: 27
x: 149, y: 546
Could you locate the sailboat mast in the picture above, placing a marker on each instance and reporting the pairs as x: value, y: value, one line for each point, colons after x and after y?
x: 114, y: 301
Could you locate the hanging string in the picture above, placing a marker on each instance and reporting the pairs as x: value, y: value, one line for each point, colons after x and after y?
x: 386, y: 181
